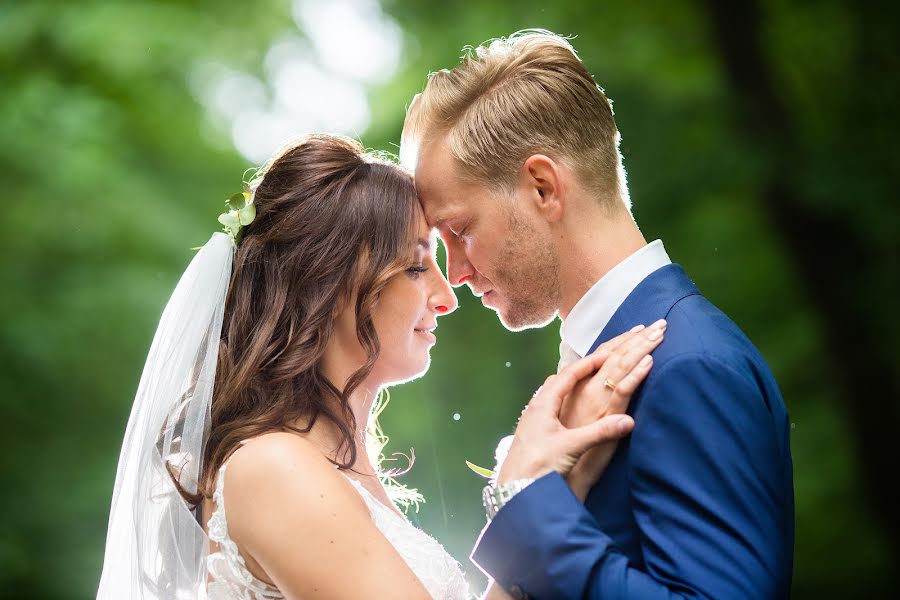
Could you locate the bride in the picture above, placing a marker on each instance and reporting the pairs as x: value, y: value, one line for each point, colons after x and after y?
x: 244, y: 473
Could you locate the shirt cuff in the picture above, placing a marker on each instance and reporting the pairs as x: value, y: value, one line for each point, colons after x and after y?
x: 532, y: 530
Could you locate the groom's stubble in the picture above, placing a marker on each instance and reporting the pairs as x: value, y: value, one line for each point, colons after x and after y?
x: 527, y: 273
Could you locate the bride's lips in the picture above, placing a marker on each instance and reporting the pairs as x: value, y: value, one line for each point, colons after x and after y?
x: 427, y: 333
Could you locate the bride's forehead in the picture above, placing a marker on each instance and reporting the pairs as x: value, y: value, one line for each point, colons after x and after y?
x: 427, y: 240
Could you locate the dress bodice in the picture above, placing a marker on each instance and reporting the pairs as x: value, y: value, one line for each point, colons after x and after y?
x: 230, y: 579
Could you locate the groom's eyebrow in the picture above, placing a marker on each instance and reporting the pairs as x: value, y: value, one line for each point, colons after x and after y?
x: 438, y: 221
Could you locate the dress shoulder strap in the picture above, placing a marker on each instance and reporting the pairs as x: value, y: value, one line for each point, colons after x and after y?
x: 227, y: 566
x: 219, y: 500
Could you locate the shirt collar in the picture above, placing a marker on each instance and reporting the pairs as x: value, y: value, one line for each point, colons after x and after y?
x: 592, y: 313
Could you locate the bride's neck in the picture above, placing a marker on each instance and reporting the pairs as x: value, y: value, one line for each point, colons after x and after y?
x: 331, y: 440
x: 339, y: 362
x: 327, y: 435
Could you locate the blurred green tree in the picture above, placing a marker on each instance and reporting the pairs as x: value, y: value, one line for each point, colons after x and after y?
x: 758, y: 137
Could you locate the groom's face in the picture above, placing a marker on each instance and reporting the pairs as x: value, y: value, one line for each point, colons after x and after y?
x: 494, y: 244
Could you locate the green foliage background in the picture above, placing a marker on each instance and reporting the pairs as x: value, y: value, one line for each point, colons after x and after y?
x: 770, y: 176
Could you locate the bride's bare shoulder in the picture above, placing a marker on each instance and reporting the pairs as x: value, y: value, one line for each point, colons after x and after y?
x: 282, y: 472
x: 301, y: 524
x: 278, y: 451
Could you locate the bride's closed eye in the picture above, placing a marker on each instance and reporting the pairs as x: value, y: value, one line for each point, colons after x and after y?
x: 417, y: 270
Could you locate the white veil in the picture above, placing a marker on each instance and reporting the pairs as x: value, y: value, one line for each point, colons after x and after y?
x: 155, y: 546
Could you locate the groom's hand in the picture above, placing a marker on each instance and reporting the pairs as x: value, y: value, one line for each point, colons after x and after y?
x: 622, y: 362
x: 542, y: 443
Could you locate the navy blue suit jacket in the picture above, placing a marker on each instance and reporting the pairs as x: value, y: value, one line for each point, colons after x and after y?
x: 697, y: 503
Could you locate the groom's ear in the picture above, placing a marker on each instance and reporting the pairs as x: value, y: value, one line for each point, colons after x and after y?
x: 543, y: 180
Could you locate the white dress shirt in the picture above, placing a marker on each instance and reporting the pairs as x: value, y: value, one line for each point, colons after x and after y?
x: 592, y: 313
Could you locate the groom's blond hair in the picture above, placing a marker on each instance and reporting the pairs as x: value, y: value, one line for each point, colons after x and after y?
x: 513, y: 97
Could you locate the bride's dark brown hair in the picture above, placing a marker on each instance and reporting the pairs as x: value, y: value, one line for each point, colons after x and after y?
x: 333, y: 224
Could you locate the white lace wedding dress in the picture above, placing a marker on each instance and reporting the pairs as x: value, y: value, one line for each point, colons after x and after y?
x: 229, y: 578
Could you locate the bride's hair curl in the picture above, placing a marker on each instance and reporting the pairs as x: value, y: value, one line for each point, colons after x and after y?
x: 333, y: 224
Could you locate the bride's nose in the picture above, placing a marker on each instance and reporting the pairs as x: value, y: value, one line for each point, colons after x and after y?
x: 442, y: 299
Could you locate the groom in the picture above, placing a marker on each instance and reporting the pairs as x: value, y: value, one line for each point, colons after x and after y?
x: 517, y: 166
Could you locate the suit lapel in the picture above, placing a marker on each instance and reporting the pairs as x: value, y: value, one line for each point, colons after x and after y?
x: 651, y: 300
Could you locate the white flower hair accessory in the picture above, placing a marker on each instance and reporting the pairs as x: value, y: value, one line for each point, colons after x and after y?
x: 241, y: 212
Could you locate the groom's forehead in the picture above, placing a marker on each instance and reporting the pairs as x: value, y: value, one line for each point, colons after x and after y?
x: 441, y: 191
x: 436, y: 203
x: 435, y: 168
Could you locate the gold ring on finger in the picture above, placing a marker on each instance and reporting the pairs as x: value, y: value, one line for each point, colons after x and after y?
x: 609, y: 384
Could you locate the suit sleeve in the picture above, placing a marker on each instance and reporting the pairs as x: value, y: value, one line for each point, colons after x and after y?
x: 704, y: 497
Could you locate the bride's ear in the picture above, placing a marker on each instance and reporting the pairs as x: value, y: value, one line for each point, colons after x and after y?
x: 543, y: 180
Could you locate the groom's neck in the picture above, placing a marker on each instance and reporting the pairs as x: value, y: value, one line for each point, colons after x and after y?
x: 594, y: 241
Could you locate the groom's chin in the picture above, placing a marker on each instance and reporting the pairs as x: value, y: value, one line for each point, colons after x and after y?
x: 519, y: 320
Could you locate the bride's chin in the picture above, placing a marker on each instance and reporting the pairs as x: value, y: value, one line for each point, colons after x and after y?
x: 410, y: 371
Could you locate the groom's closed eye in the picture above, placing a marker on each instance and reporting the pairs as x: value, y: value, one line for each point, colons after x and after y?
x: 458, y: 230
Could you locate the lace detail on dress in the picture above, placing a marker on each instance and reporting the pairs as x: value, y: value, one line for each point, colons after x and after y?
x: 436, y: 569
x: 229, y: 578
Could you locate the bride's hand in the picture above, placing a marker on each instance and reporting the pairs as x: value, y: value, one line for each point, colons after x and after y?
x: 626, y: 361
x: 542, y: 443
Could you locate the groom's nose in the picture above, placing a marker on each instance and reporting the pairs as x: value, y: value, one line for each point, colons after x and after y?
x: 459, y: 269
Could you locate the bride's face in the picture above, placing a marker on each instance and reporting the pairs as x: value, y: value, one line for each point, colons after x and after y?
x: 407, y: 310
x: 404, y: 318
